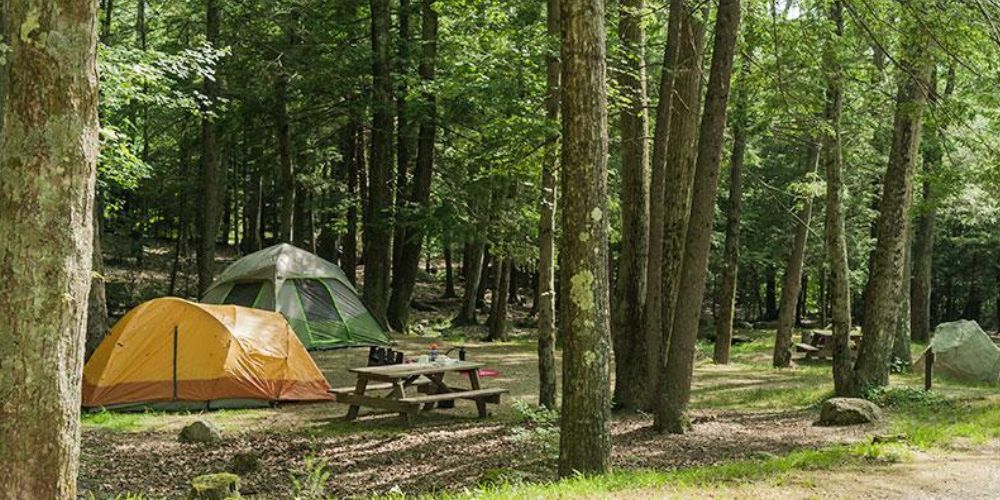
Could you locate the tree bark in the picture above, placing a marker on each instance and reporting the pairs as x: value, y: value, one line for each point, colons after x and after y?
x: 449, y: 273
x: 673, y: 158
x: 835, y: 233
x: 405, y: 277
x: 48, y: 152
x: 770, y: 293
x: 97, y: 302
x: 902, y: 359
x: 501, y: 297
x: 675, y: 378
x: 404, y: 140
x: 286, y: 173
x: 377, y: 227
x: 585, y: 438
x: 731, y: 252
x: 349, y: 245
x: 473, y: 274
x: 210, y: 169
x: 923, y: 248
x: 792, y: 284
x: 630, y: 284
x: 547, y: 221
x: 872, y: 366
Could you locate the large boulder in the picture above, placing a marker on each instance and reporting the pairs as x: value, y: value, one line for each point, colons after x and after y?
x: 200, y: 431
x: 848, y: 411
x: 220, y: 486
x: 963, y: 352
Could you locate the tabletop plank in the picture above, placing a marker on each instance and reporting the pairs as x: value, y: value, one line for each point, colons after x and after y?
x: 413, y: 369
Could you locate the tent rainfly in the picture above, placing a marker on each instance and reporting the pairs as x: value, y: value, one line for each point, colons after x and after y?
x: 312, y: 293
x: 169, y: 353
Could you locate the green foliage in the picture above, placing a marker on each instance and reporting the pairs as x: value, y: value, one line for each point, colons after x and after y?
x: 537, y: 425
x: 309, y: 483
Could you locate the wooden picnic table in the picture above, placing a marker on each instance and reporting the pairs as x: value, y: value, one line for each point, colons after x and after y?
x: 821, y: 344
x: 426, y: 378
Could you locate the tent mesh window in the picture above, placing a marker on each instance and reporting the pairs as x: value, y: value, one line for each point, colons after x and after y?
x: 316, y: 301
x: 243, y: 294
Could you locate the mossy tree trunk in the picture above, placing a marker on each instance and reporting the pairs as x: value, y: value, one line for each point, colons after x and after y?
x: 48, y: 152
x: 585, y: 437
x: 211, y: 174
x: 882, y: 304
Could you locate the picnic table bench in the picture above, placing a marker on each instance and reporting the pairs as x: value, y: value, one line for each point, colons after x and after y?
x: 820, y: 344
x: 428, y: 381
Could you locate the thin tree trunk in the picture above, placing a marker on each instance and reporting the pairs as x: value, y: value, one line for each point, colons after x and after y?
x: 630, y: 284
x: 546, y: 225
x: 405, y: 276
x: 473, y: 273
x: 675, y: 378
x: 882, y: 308
x: 902, y: 359
x: 792, y: 284
x: 770, y: 293
x: 501, y: 297
x: 97, y: 302
x: 731, y: 253
x: 377, y: 228
x: 673, y: 158
x: 48, y: 152
x: 210, y: 169
x: 449, y: 273
x: 286, y: 172
x: 108, y: 8
x: 349, y: 245
x: 585, y: 438
x: 404, y: 140
x: 923, y: 248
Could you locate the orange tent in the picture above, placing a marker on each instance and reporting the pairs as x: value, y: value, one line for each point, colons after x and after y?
x: 171, y: 353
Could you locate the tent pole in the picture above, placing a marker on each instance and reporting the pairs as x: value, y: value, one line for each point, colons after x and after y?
x: 175, y: 362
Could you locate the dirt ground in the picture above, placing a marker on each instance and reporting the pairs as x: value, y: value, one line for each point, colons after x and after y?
x: 744, y: 410
x: 967, y: 475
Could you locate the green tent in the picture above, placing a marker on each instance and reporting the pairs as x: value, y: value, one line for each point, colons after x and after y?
x: 313, y: 294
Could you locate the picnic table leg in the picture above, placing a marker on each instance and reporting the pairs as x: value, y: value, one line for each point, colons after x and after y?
x: 359, y: 390
x: 480, y: 403
x: 399, y: 392
x: 439, y: 387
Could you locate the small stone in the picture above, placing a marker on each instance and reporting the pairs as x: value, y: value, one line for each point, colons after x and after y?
x: 848, y: 411
x: 220, y: 486
x: 200, y: 431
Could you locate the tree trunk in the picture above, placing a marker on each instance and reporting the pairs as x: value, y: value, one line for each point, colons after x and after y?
x: 802, y: 304
x: 404, y: 140
x: 770, y: 293
x: 546, y: 224
x: 349, y: 244
x: 405, y: 277
x: 872, y: 366
x: 377, y: 229
x: 108, y: 8
x: 630, y: 285
x: 675, y: 379
x: 835, y: 233
x: 902, y: 359
x: 449, y: 273
x: 97, y: 302
x: 585, y: 438
x: 48, y: 152
x: 673, y: 158
x: 210, y: 169
x: 731, y: 254
x: 286, y: 173
x: 792, y: 284
x: 473, y: 273
x: 923, y: 248
x: 498, y: 307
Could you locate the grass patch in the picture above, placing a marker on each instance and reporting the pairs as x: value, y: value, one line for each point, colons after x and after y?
x: 114, y: 421
x: 694, y: 477
x: 929, y: 419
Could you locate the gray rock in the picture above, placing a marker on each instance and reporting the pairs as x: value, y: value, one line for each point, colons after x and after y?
x: 849, y: 411
x: 221, y: 486
x: 200, y: 431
